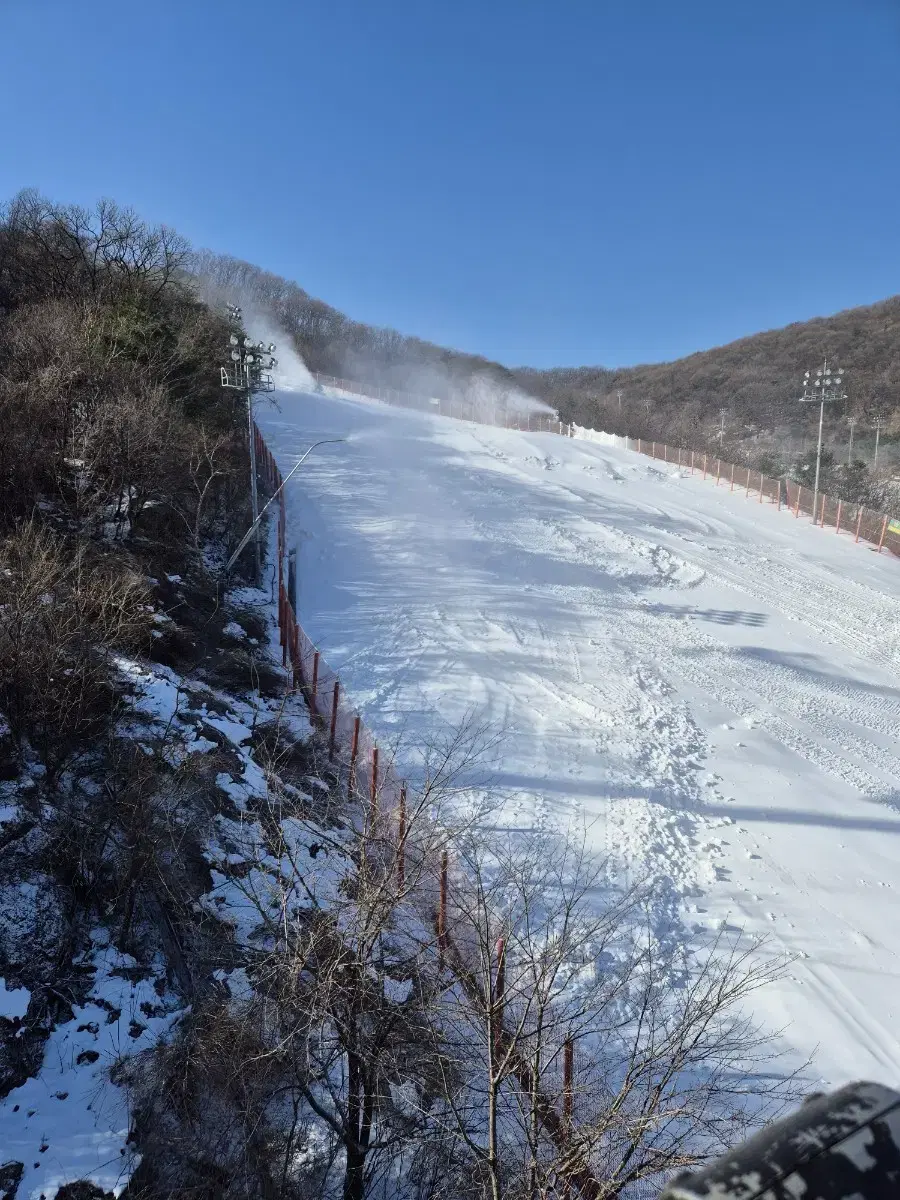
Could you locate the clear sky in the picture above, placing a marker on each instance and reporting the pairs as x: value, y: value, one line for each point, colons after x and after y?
x: 540, y: 181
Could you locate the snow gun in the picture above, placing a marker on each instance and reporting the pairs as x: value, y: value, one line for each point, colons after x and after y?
x: 843, y: 1145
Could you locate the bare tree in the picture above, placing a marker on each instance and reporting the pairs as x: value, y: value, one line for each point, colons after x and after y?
x: 551, y: 962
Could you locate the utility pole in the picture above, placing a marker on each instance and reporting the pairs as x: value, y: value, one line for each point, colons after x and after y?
x: 879, y: 422
x: 251, y: 362
x: 851, y: 421
x: 826, y: 386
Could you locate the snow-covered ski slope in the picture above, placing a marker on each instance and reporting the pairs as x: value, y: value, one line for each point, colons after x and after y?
x: 709, y: 684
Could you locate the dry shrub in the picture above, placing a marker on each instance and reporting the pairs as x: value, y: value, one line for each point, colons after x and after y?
x: 63, y: 612
x: 202, y: 1106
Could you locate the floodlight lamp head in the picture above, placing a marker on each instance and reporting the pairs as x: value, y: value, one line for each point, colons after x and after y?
x: 271, y: 347
x: 232, y: 341
x: 236, y: 355
x: 248, y: 345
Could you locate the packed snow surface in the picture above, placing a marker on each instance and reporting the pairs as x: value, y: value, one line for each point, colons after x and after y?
x: 709, y: 685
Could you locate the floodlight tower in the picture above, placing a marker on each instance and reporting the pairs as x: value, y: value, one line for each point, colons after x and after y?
x: 249, y: 372
x: 828, y: 385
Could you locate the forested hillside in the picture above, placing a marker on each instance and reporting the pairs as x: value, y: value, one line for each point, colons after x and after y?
x: 755, y: 381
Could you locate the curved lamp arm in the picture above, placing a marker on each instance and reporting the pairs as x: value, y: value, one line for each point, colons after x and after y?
x: 249, y: 534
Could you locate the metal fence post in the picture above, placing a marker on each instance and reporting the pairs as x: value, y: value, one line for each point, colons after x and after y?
x: 373, y: 794
x: 354, y: 750
x: 442, y: 910
x: 334, y: 713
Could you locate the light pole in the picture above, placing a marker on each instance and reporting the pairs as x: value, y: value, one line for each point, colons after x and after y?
x: 879, y: 421
x: 249, y: 534
x: 828, y: 385
x: 851, y: 421
x: 250, y: 363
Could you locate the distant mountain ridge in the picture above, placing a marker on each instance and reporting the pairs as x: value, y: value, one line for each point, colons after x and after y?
x: 756, y: 379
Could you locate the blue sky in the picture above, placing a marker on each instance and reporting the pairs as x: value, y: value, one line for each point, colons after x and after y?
x: 540, y: 181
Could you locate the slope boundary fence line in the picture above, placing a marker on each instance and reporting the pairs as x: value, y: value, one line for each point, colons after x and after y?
x: 852, y: 520
x: 877, y: 529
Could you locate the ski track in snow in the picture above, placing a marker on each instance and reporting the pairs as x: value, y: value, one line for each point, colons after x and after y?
x: 706, y: 684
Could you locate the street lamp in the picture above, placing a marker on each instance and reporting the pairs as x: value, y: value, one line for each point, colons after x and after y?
x: 828, y: 385
x: 249, y: 534
x: 249, y: 372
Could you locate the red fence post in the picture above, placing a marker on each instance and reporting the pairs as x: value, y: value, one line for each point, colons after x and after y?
x: 732, y: 477
x: 653, y: 453
x: 822, y: 511
x: 401, y: 840
x: 837, y: 524
x: 797, y: 509
x: 718, y: 470
x: 884, y: 525
x: 639, y: 445
x: 315, y: 682
x: 704, y: 466
x: 373, y: 791
x: 760, y: 487
x: 859, y: 517
x: 442, y: 911
x: 748, y: 481
x: 354, y: 750
x: 779, y: 495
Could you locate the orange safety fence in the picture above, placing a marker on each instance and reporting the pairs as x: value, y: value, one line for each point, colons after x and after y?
x: 841, y: 516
